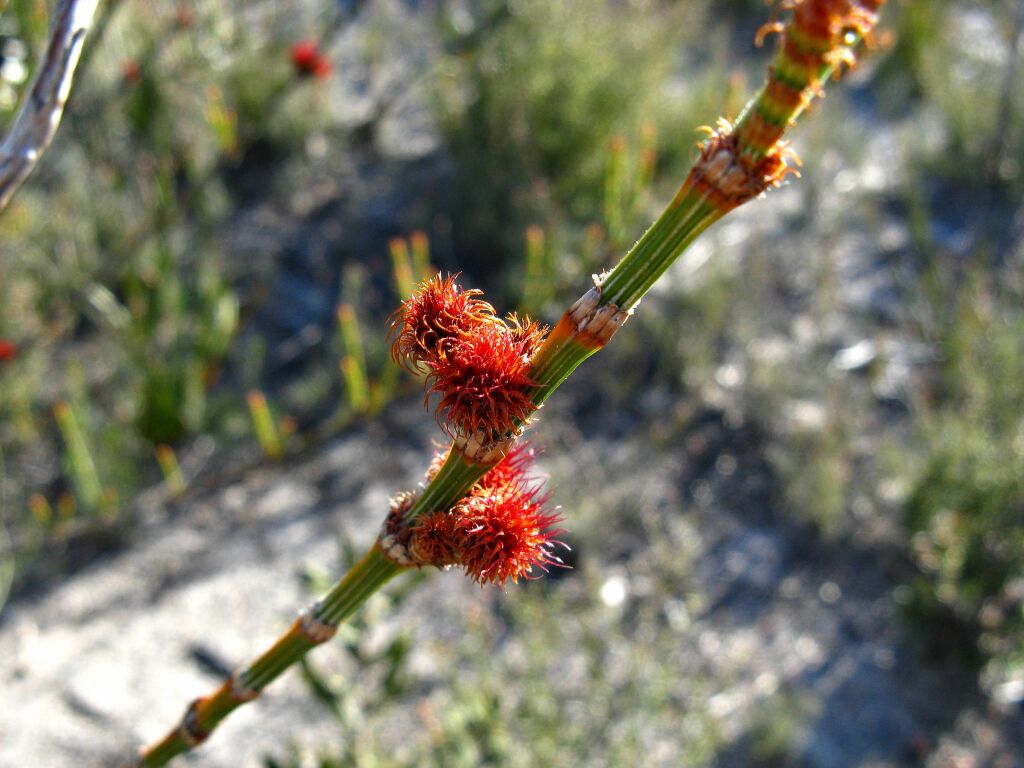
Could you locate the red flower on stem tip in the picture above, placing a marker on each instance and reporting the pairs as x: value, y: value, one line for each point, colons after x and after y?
x: 8, y: 350
x: 497, y: 533
x: 436, y: 314
x: 309, y: 61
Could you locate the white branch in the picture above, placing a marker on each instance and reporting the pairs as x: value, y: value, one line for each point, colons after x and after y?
x: 43, y: 105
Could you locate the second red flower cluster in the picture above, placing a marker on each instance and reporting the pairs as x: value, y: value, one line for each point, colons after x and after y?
x: 497, y: 532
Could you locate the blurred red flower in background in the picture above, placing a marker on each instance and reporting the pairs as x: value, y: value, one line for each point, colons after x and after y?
x: 131, y: 72
x: 309, y: 61
x: 8, y: 350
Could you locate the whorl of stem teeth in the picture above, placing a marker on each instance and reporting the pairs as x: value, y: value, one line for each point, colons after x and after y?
x: 240, y: 690
x: 595, y: 323
x: 314, y: 629
x: 393, y: 539
x: 190, y: 731
x: 816, y: 43
x: 588, y: 323
x: 481, y: 448
x: 727, y: 177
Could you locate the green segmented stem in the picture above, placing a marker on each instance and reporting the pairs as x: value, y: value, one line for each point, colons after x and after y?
x: 453, y: 481
x: 372, y: 572
x: 686, y: 217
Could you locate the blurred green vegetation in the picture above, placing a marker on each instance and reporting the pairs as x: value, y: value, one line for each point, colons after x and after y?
x: 125, y: 311
x: 966, y: 508
x: 534, y: 106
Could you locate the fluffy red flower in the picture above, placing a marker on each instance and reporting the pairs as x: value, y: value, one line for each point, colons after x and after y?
x: 499, y: 532
x: 437, y: 314
x: 8, y: 350
x: 476, y: 362
x: 504, y: 531
x: 484, y: 381
x: 511, y: 470
x: 308, y: 61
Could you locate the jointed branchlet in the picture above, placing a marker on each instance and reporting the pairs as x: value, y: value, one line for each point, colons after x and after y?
x: 479, y: 509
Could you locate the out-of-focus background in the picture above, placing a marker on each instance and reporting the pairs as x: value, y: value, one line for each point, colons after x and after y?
x: 794, y: 484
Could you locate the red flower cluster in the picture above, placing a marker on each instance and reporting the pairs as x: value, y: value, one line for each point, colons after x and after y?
x: 433, y: 318
x: 8, y: 350
x: 309, y: 61
x: 477, y: 363
x: 500, y: 531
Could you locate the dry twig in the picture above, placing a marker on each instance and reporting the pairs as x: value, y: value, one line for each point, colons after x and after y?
x: 40, y: 112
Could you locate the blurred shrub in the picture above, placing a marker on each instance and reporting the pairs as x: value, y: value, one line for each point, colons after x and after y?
x: 966, y: 511
x: 530, y: 93
x: 114, y: 255
x: 965, y: 58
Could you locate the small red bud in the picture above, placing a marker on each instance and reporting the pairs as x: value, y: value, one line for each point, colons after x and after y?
x: 131, y: 72
x: 184, y: 17
x: 309, y: 61
x: 8, y: 350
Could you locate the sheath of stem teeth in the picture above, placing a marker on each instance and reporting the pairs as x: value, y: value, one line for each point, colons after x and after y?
x: 365, y: 578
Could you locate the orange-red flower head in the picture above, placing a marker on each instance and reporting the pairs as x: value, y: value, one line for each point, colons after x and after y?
x: 436, y: 315
x: 484, y: 379
x: 505, y: 533
x: 501, y: 531
x: 477, y: 363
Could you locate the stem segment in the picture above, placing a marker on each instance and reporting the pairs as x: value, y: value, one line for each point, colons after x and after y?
x: 315, y: 626
x: 736, y: 164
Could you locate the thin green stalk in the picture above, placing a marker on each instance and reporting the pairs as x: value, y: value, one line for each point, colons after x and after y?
x: 263, y: 424
x: 680, y: 223
x: 420, y: 245
x: 401, y: 266
x: 171, y: 470
x: 574, y: 339
x: 80, y: 461
x: 353, y: 363
x: 536, y: 286
x: 371, y: 573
